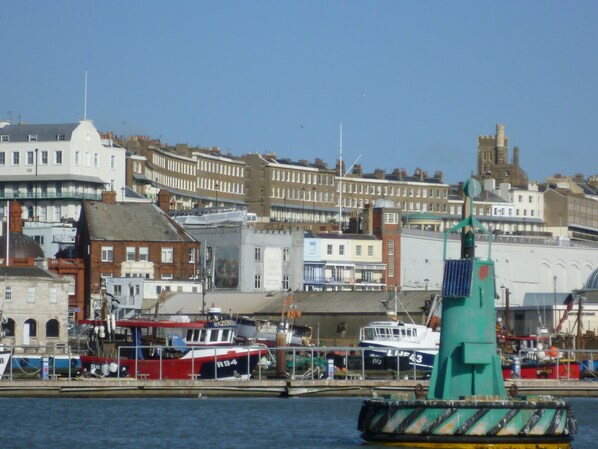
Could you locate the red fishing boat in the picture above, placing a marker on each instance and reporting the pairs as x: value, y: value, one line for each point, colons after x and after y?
x: 534, y: 357
x: 168, y: 349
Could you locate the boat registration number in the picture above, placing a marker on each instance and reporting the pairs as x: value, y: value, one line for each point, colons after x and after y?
x: 414, y: 357
x: 226, y: 363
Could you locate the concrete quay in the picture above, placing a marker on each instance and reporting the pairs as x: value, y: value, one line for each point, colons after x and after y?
x: 123, y: 388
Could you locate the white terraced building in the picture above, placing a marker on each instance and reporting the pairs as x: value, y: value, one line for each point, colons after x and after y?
x: 50, y: 169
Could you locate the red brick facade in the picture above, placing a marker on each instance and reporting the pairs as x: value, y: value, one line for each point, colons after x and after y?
x: 180, y: 268
x: 389, y: 230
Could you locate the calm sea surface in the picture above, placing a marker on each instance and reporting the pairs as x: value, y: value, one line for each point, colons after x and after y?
x: 210, y: 423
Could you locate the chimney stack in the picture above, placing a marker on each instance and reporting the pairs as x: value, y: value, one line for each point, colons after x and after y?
x: 109, y: 197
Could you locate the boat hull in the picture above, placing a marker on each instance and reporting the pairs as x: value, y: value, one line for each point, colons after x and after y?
x: 27, y: 365
x: 562, y: 370
x: 399, y: 359
x: 4, y: 361
x: 544, y: 423
x: 216, y: 363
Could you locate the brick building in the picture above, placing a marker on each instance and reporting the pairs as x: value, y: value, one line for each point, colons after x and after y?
x: 118, y: 239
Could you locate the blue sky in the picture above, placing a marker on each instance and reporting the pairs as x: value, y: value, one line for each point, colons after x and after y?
x: 413, y: 83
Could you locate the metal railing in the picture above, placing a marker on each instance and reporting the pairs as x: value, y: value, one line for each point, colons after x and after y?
x: 218, y: 351
x: 301, y: 362
x: 30, y: 361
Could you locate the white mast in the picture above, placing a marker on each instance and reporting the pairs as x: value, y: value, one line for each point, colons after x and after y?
x: 7, y: 233
x: 85, y: 99
x: 340, y: 184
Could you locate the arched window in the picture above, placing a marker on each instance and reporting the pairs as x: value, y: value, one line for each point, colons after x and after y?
x: 52, y: 328
x: 32, y: 327
x: 9, y: 327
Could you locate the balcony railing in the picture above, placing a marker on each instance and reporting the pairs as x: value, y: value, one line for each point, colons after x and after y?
x: 49, y: 196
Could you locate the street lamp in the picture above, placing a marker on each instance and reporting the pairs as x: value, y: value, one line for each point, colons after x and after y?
x: 313, y: 204
x: 123, y: 194
x: 217, y: 187
x: 303, y: 210
x: 35, y: 204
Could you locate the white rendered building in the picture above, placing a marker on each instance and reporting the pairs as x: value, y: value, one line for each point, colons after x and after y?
x: 50, y: 169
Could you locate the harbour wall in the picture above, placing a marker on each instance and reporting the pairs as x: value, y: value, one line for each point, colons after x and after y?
x: 283, y: 388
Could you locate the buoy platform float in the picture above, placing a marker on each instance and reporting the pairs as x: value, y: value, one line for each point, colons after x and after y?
x: 466, y: 405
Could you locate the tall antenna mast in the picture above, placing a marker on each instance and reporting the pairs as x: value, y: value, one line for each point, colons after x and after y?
x: 7, y: 213
x: 340, y: 184
x: 85, y: 98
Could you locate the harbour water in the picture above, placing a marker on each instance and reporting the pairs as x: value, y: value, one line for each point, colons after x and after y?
x: 205, y: 422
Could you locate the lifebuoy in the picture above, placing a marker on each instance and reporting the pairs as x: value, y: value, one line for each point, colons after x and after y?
x: 23, y: 362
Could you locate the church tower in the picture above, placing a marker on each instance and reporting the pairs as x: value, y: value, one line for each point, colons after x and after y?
x: 493, y: 160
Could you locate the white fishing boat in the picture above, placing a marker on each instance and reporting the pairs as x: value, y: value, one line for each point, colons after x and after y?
x: 403, y: 346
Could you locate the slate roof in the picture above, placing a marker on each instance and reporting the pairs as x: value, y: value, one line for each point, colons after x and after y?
x: 347, y: 303
x: 45, y: 133
x: 236, y: 303
x: 309, y: 303
x: 25, y: 272
x: 131, y: 221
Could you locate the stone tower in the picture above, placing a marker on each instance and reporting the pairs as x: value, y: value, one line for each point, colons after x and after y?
x: 493, y: 160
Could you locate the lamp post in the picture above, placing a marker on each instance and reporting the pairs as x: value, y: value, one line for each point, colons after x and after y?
x: 216, y: 187
x: 203, y: 292
x: 35, y: 202
x: 313, y: 204
x: 554, y: 313
x: 303, y: 209
x: 122, y: 190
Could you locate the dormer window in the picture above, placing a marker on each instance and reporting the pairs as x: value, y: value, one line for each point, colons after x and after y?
x: 60, y: 137
x: 32, y: 137
x: 4, y: 138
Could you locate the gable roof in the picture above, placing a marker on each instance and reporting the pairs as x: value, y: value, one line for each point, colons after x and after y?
x: 131, y: 222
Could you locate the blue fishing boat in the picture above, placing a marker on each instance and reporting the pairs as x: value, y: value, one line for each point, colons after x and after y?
x: 41, y: 365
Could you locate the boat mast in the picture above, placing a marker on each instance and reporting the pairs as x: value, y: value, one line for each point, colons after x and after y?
x: 340, y: 184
